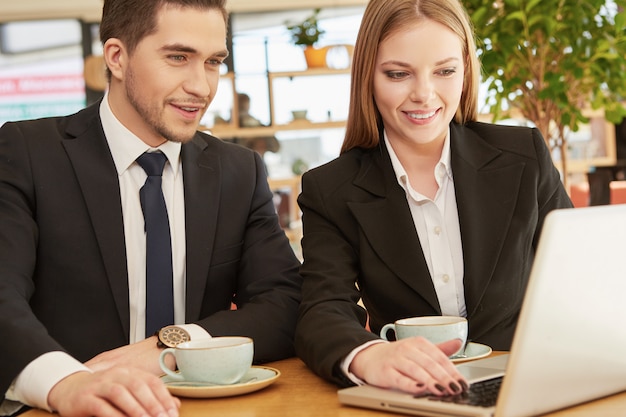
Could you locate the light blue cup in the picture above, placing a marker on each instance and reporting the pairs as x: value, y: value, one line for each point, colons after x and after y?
x: 217, y: 360
x: 436, y: 329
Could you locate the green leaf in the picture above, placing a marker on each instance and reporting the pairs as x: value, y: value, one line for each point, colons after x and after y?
x: 531, y: 5
x: 519, y: 15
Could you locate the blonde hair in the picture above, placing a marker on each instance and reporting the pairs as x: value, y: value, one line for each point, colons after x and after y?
x: 381, y: 19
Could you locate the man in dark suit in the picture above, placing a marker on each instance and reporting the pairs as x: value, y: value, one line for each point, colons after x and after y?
x: 72, y: 243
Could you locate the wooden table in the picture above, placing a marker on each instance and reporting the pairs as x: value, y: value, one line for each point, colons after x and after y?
x: 300, y: 393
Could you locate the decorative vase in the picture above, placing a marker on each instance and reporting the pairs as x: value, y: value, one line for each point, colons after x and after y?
x: 315, y: 57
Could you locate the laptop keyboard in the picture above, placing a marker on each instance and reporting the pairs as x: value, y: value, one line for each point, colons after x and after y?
x: 481, y: 394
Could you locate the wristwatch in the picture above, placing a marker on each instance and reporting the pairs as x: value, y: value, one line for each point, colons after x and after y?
x: 170, y: 336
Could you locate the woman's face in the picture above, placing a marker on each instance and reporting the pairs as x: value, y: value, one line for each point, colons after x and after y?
x: 418, y: 81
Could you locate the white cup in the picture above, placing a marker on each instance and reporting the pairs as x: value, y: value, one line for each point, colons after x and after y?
x: 436, y: 329
x: 218, y: 360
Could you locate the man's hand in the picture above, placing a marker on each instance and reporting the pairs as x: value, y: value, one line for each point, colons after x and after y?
x: 143, y: 355
x: 413, y: 365
x: 115, y: 392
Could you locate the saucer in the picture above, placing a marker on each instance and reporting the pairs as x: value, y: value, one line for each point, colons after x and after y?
x: 258, y: 377
x: 473, y: 351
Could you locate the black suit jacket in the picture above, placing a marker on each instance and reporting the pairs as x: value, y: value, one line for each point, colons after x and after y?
x: 358, y: 230
x: 63, y: 274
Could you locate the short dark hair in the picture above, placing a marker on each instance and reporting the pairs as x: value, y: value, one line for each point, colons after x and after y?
x: 132, y: 20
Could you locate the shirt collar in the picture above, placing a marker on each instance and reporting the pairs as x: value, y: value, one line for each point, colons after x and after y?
x: 126, y: 147
x: 442, y: 168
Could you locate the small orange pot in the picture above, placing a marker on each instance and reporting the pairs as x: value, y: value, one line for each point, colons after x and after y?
x: 315, y: 57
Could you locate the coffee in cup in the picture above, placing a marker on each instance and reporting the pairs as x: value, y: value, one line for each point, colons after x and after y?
x: 436, y: 329
x: 218, y: 360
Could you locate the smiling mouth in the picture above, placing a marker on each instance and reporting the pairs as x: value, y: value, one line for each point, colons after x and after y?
x: 190, y: 109
x: 421, y: 116
x: 189, y: 106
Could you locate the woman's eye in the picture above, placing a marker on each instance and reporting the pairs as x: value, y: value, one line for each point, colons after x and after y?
x: 447, y: 72
x: 396, y: 75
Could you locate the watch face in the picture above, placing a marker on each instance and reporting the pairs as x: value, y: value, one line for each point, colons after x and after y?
x: 172, y: 335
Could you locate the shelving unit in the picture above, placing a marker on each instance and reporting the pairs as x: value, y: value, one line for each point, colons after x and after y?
x: 230, y: 129
x: 317, y: 90
x: 303, y: 89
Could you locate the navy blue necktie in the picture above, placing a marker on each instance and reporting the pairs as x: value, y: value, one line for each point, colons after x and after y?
x: 159, y: 287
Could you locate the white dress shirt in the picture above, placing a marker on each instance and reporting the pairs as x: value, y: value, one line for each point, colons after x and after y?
x: 437, y: 225
x: 126, y: 148
x: 37, y: 379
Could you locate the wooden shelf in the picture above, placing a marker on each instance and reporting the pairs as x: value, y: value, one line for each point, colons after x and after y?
x: 302, y: 124
x: 228, y: 132
x: 306, y: 124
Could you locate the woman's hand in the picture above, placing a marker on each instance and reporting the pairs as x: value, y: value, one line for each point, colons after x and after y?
x: 413, y: 365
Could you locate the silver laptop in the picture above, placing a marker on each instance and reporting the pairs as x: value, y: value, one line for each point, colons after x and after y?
x: 570, y: 343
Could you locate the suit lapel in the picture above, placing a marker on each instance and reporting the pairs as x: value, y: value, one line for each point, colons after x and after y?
x: 486, y: 193
x: 100, y: 187
x: 202, y: 178
x: 93, y: 164
x: 388, y: 226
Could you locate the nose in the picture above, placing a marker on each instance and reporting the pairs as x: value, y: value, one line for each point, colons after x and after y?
x: 200, y: 82
x: 422, y: 89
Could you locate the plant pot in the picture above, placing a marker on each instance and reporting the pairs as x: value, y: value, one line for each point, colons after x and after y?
x: 315, y: 57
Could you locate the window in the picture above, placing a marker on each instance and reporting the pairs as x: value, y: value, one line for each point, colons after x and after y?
x: 41, y: 69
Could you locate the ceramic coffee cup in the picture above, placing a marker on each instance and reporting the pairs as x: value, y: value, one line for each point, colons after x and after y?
x: 436, y: 329
x: 218, y: 360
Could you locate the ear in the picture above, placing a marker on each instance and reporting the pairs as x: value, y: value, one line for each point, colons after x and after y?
x: 115, y: 57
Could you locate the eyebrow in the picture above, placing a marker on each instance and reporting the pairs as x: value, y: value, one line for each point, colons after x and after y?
x: 405, y: 64
x: 178, y: 47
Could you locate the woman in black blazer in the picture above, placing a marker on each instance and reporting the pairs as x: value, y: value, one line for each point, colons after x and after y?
x: 425, y: 212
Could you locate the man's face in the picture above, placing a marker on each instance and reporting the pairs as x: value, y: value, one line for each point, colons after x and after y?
x: 165, y: 86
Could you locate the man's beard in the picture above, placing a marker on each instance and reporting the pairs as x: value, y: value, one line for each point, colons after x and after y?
x: 151, y: 113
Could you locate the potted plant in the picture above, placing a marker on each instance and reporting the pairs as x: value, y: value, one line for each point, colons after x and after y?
x: 307, y: 33
x: 549, y: 59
